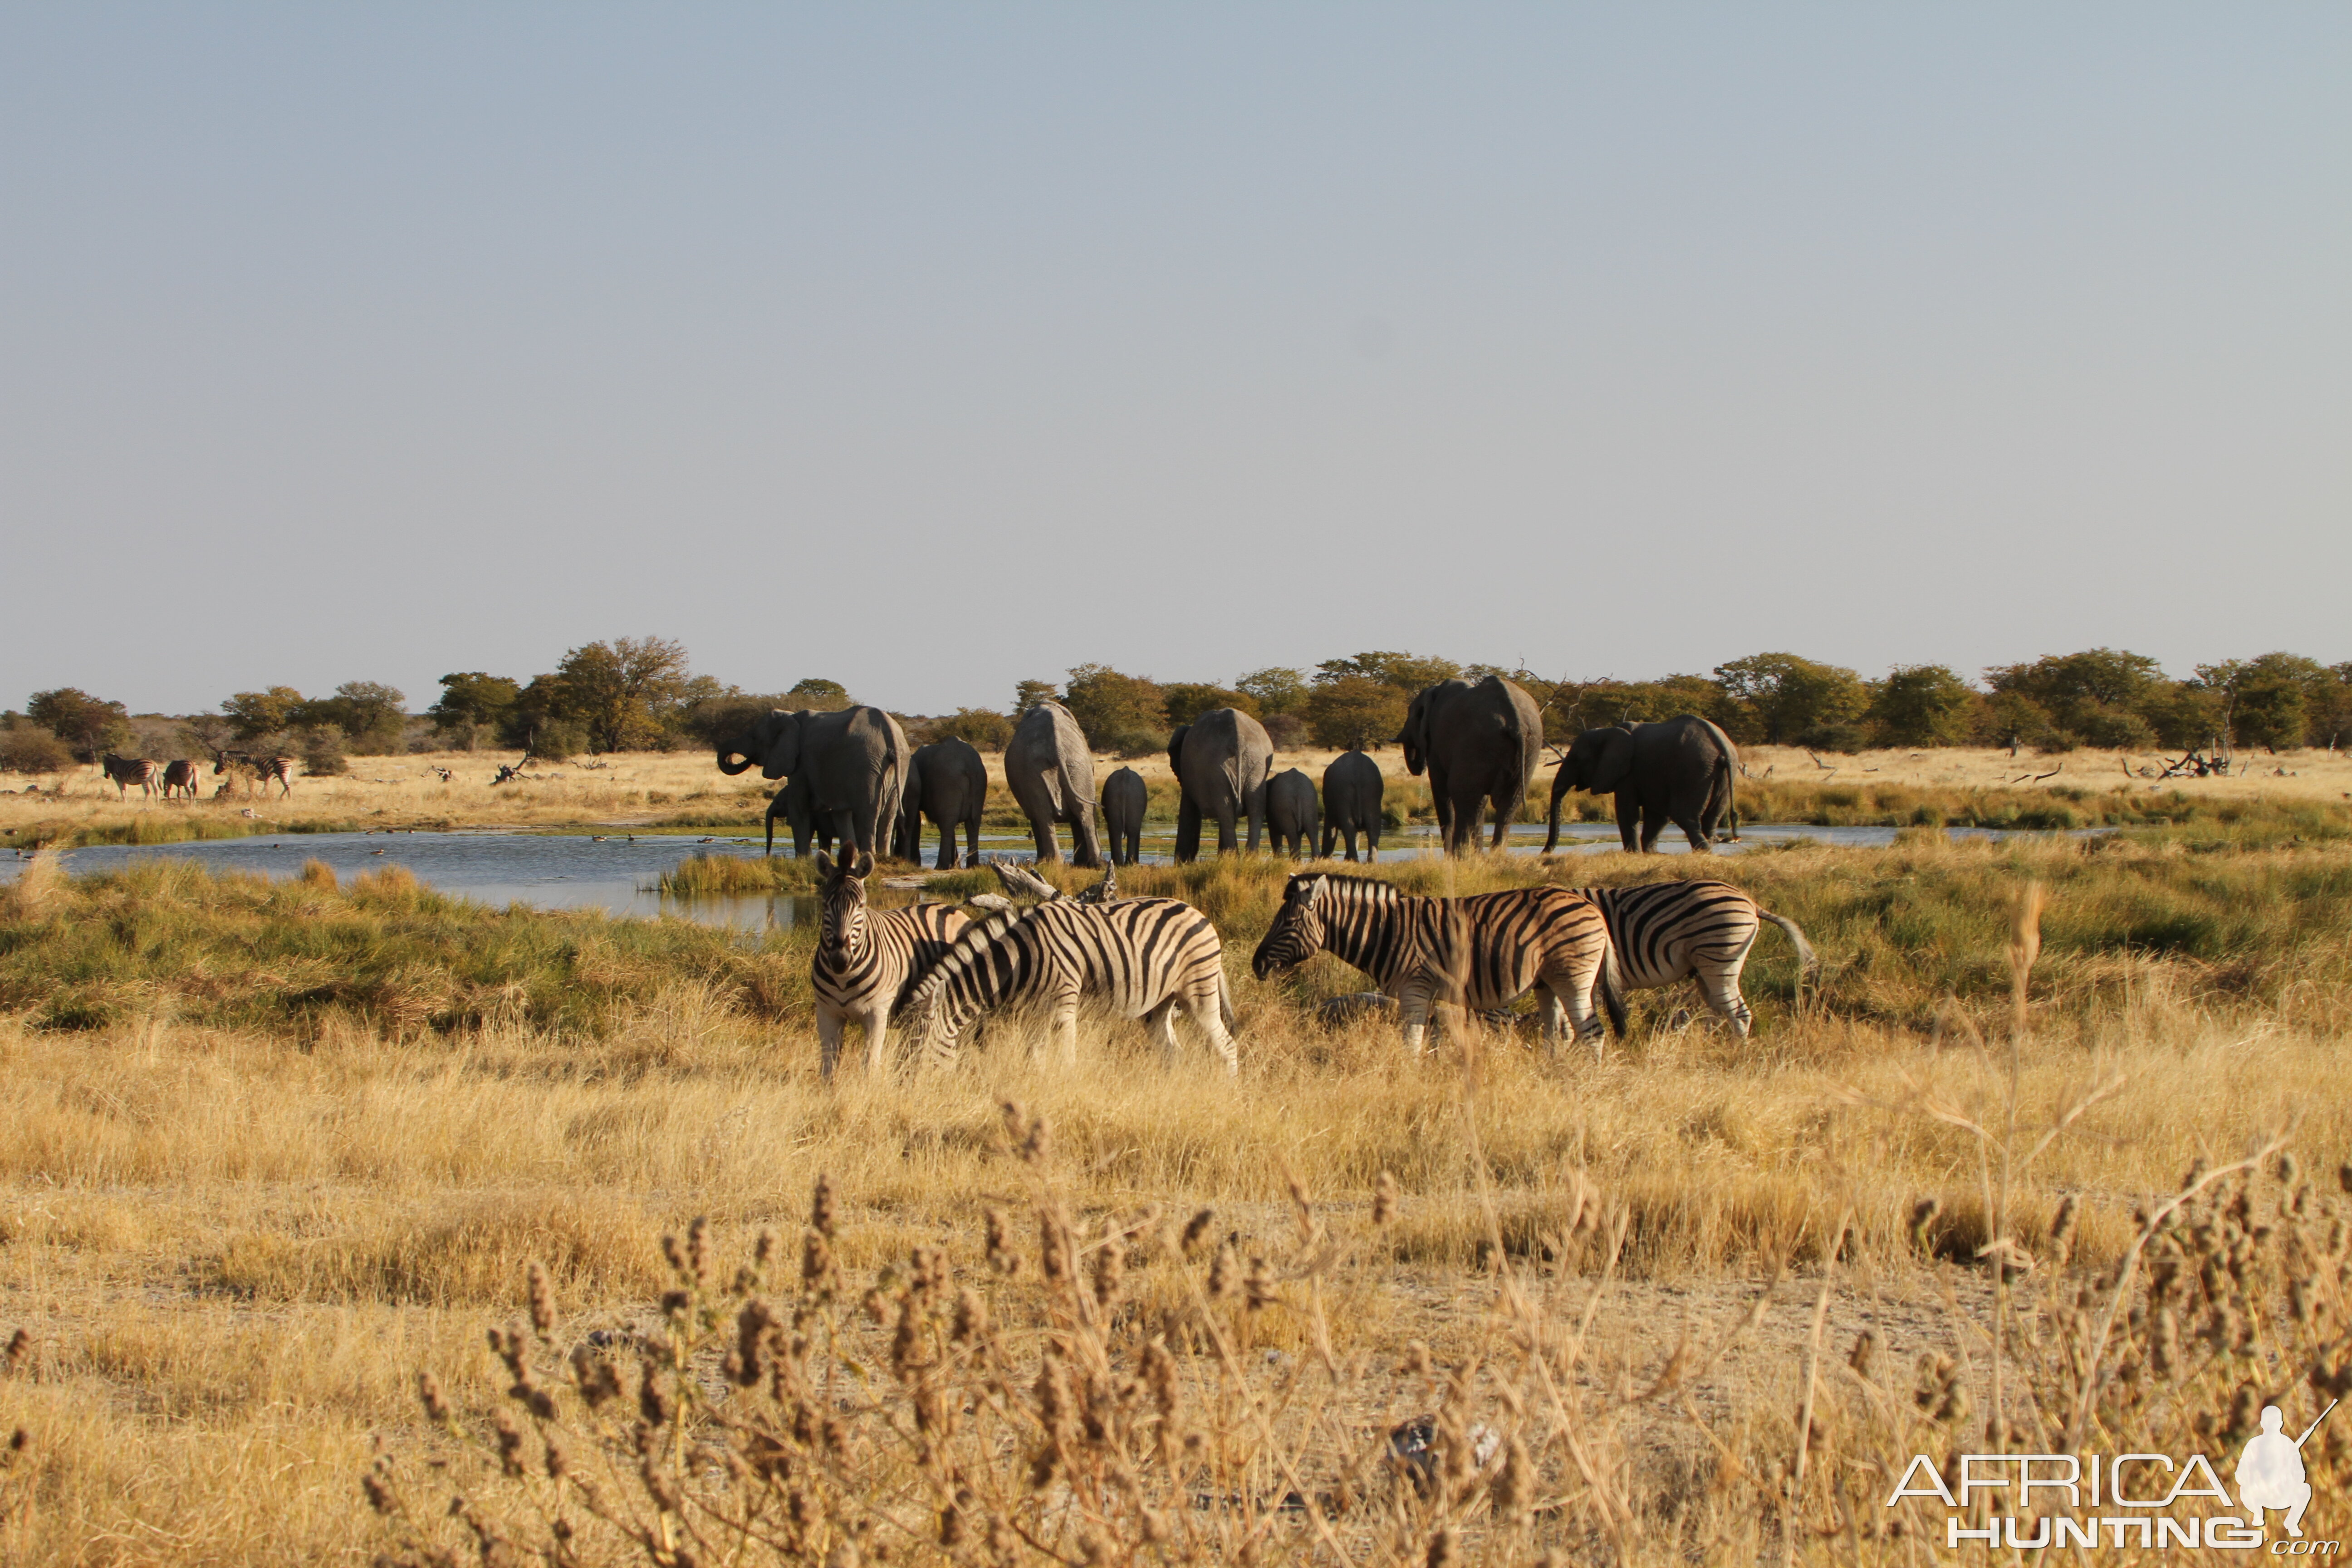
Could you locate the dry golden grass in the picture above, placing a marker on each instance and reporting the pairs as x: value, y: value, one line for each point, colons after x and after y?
x: 231, y: 1248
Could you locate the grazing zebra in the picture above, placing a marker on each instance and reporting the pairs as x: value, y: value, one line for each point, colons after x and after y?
x: 259, y: 770
x: 1473, y: 953
x: 868, y: 958
x: 180, y: 775
x: 124, y: 771
x: 1663, y: 932
x: 1142, y: 958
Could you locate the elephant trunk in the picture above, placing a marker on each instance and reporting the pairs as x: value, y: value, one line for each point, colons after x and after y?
x: 1561, y: 783
x: 733, y: 749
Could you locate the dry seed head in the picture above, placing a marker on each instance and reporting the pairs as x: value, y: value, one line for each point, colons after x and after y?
x: 1197, y: 1229
x: 20, y: 1347
x: 698, y: 1251
x: 1221, y: 1273
x: 1384, y: 1198
x: 510, y: 1438
x: 1416, y: 1359
x: 1866, y: 1351
x: 821, y: 1207
x: 970, y: 1318
x: 1257, y: 1285
x: 1441, y: 1549
x: 428, y: 1392
x: 543, y: 1301
x: 2025, y: 932
x: 1110, y: 1273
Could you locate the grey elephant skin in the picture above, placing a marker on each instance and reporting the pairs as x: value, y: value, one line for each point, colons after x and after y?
x: 1221, y: 760
x: 1678, y: 769
x: 1124, y: 799
x: 792, y: 803
x: 1293, y: 815
x: 1352, y: 787
x: 946, y: 782
x: 1052, y: 774
x: 1479, y: 745
x: 855, y: 764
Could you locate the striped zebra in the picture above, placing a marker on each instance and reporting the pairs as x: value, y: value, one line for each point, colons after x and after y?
x: 1141, y: 958
x: 180, y: 775
x: 124, y: 771
x: 1473, y: 953
x: 868, y: 959
x: 1663, y: 932
x: 259, y: 771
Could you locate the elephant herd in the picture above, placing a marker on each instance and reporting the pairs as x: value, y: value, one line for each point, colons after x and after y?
x: 849, y: 776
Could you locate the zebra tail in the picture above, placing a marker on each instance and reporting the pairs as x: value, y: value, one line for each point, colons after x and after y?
x: 1808, y: 962
x: 1612, y: 993
x: 1225, y: 999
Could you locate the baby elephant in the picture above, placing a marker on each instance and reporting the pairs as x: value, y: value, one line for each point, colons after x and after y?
x: 1293, y: 815
x: 1124, y: 799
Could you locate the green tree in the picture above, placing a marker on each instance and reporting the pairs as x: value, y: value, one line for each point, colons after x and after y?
x: 2269, y: 700
x: 2096, y: 698
x: 371, y: 715
x: 982, y: 727
x: 1187, y: 700
x: 473, y: 701
x: 818, y: 694
x: 1274, y: 689
x: 1783, y: 699
x: 1923, y: 705
x: 1028, y: 694
x: 257, y: 716
x: 1355, y: 710
x: 623, y: 693
x: 1118, y: 712
x: 1407, y: 672
x: 89, y: 726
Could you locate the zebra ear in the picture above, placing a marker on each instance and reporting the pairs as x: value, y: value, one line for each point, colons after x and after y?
x: 864, y: 864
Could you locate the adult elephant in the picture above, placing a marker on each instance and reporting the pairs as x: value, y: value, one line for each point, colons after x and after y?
x: 1292, y: 813
x: 1352, y: 787
x: 946, y: 782
x: 1479, y: 743
x: 855, y: 762
x: 1124, y: 800
x: 1678, y: 769
x: 1052, y: 774
x: 1221, y: 760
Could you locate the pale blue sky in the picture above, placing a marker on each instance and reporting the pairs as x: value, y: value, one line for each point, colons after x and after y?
x: 930, y: 348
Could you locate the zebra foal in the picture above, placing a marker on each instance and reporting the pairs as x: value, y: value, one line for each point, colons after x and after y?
x: 1141, y: 958
x: 868, y: 959
x: 1472, y: 954
x: 1664, y: 932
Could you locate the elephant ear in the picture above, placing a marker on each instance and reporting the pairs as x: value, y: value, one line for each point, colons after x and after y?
x: 1616, y: 761
x: 1176, y: 748
x: 1416, y: 718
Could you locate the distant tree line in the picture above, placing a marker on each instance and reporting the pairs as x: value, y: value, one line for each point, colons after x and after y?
x: 640, y: 693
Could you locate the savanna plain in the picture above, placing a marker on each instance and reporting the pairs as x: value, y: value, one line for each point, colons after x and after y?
x: 347, y: 1222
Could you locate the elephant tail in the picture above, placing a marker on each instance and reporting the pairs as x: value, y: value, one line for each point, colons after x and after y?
x: 1808, y: 963
x: 1611, y: 987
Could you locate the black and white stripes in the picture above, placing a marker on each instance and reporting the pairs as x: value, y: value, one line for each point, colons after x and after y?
x: 1477, y: 952
x: 866, y: 959
x: 1666, y: 932
x: 1140, y: 958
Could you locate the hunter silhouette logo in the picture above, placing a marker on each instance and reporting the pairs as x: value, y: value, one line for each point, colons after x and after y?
x: 2270, y: 1472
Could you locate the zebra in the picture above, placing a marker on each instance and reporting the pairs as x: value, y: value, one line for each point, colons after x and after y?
x: 1142, y: 958
x: 866, y: 959
x: 180, y: 775
x: 124, y: 771
x: 262, y: 771
x: 1662, y: 933
x: 1475, y: 953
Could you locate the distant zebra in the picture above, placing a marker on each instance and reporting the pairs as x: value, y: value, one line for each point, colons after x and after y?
x: 868, y: 958
x: 124, y: 771
x: 259, y: 770
x: 1141, y: 958
x: 1663, y: 932
x: 180, y: 775
x: 1473, y: 953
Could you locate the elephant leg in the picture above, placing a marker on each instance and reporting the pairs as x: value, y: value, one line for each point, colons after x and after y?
x: 828, y: 1039
x: 1372, y: 840
x: 972, y: 839
x: 1702, y: 842
x: 1048, y: 848
x: 1502, y: 826
x: 855, y: 828
x: 1653, y: 822
x: 1629, y: 821
x: 1229, y: 838
x: 946, y: 858
x: 1188, y: 831
x: 1086, y: 845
